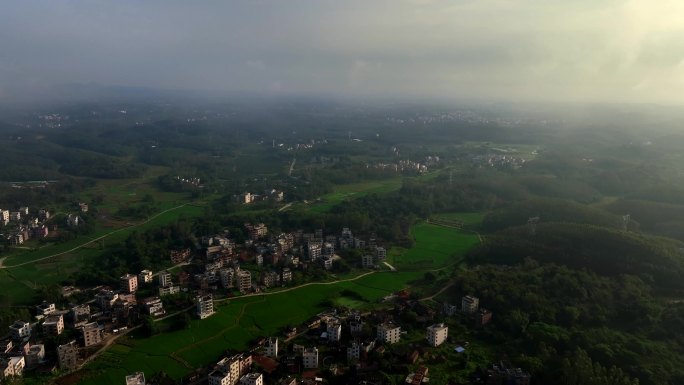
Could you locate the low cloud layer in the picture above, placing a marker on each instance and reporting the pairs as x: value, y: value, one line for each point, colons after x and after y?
x: 580, y: 50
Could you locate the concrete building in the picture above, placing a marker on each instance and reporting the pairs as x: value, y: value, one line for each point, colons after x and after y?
x: 367, y: 261
x: 244, y: 278
x: 354, y: 351
x: 129, y: 283
x: 389, y: 333
x: 35, y: 356
x: 310, y: 358
x: 234, y: 366
x: 19, y: 330
x: 217, y: 377
x: 68, y: 356
x: 168, y: 290
x: 45, y: 308
x: 165, y: 279
x: 469, y: 304
x: 286, y: 275
x: 92, y: 334
x: 314, y: 251
x: 252, y: 379
x: 145, y: 276
x: 137, y: 378
x: 4, y: 216
x: 334, y: 330
x: 483, y: 317
x: 437, y: 334
x: 356, y: 327
x: 14, y: 367
x: 153, y: 306
x: 53, y: 325
x: 80, y: 313
x: 227, y: 277
x: 380, y: 253
x: 205, y: 306
x: 271, y: 347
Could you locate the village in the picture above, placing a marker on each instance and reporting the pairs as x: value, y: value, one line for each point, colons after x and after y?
x: 220, y: 269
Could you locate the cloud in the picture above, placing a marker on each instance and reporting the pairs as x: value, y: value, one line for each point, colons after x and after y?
x: 612, y: 50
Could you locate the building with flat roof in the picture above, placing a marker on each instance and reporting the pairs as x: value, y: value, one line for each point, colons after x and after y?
x: 271, y: 347
x: 244, y: 278
x: 310, y: 358
x: 205, y: 306
x: 68, y: 356
x: 217, y: 377
x: 470, y: 304
x: 252, y: 379
x: 137, y: 378
x: 92, y: 334
x: 389, y: 333
x: 145, y: 276
x: 53, y: 325
x: 129, y: 283
x: 20, y: 329
x: 437, y: 334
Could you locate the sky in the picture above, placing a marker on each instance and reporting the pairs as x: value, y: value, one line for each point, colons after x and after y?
x: 513, y: 50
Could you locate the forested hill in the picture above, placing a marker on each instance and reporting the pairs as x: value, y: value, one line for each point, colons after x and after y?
x: 548, y: 210
x: 657, y: 261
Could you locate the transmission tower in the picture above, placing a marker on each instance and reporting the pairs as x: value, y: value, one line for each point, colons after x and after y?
x: 625, y: 221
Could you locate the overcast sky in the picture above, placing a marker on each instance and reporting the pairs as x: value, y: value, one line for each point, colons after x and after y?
x: 566, y: 50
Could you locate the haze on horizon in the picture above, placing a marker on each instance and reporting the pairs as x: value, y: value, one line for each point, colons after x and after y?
x: 516, y: 50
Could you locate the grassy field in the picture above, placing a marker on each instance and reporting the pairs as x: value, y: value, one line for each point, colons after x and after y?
x: 241, y: 320
x: 471, y: 220
x: 355, y: 190
x: 436, y: 247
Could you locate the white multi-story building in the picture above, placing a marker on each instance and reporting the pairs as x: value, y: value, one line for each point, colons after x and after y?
x: 4, y: 216
x: 469, y: 304
x: 205, y: 306
x: 310, y: 358
x: 145, y: 276
x: 53, y: 325
x: 252, y: 379
x: 356, y: 327
x: 45, y: 308
x: 129, y: 283
x: 334, y: 330
x: 389, y: 333
x: 271, y: 347
x: 437, y: 334
x: 381, y: 253
x: 20, y: 329
x: 13, y: 367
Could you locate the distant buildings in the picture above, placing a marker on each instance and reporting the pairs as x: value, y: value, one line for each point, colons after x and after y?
x: 252, y: 379
x: 244, y: 281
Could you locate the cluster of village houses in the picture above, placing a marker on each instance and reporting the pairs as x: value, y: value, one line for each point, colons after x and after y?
x: 21, y: 225
x: 216, y: 271
x: 268, y: 195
